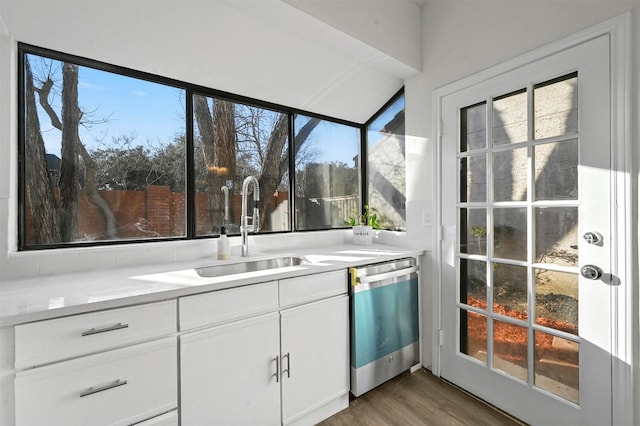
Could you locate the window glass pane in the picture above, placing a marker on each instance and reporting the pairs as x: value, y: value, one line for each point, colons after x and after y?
x: 327, y: 173
x: 104, y: 155
x: 473, y: 131
x: 557, y: 300
x: 233, y: 141
x: 556, y: 234
x: 510, y: 290
x: 473, y: 179
x: 510, y: 233
x: 556, y: 170
x: 510, y: 175
x: 557, y: 365
x: 556, y: 107
x: 473, y: 335
x: 473, y: 283
x: 386, y: 166
x: 473, y: 231
x: 510, y: 349
x: 510, y: 118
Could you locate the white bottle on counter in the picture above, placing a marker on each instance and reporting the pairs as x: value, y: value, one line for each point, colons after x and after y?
x: 223, y: 245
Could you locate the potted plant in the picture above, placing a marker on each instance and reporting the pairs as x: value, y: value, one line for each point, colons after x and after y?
x: 364, y: 225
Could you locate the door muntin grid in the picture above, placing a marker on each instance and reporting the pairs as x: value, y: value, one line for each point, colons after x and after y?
x: 518, y: 215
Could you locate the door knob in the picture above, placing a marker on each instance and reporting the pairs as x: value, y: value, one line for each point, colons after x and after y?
x: 594, y: 238
x: 591, y: 272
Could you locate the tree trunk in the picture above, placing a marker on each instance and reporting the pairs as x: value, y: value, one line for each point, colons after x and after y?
x: 218, y: 135
x: 69, y: 168
x: 38, y: 184
x: 92, y: 193
x: 91, y: 190
x: 273, y: 169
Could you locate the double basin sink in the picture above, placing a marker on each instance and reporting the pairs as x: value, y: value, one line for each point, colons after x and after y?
x: 249, y: 266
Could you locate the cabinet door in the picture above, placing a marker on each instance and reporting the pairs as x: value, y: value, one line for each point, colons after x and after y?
x: 315, y: 355
x: 228, y: 374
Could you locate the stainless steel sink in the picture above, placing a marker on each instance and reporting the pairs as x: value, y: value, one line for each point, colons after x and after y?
x: 250, y: 266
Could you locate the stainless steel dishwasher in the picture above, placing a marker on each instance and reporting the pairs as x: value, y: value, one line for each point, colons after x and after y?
x: 384, y: 322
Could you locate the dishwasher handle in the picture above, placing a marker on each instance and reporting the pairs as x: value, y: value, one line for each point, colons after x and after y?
x: 386, y: 275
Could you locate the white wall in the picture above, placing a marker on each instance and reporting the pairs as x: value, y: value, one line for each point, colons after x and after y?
x: 462, y: 38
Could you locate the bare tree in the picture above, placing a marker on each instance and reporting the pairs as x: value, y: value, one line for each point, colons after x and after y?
x: 218, y: 141
x: 72, y: 150
x: 39, y: 187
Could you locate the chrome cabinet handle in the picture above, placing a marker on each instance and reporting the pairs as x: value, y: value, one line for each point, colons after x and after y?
x: 97, y: 389
x: 277, y: 373
x: 288, y: 369
x: 95, y: 330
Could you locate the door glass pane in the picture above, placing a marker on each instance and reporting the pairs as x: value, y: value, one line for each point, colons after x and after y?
x: 510, y: 349
x: 510, y: 233
x: 473, y: 179
x: 510, y: 118
x: 556, y: 170
x: 510, y: 170
x: 556, y: 107
x: 556, y: 235
x: 473, y: 126
x: 473, y: 283
x: 557, y: 300
x: 473, y: 335
x: 510, y: 290
x: 557, y: 365
x: 473, y: 231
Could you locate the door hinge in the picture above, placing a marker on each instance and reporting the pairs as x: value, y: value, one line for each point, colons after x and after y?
x: 439, y: 233
x: 441, y: 337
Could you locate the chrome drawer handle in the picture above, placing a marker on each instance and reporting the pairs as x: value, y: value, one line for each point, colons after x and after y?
x: 94, y: 330
x: 277, y: 373
x: 288, y: 369
x: 97, y: 389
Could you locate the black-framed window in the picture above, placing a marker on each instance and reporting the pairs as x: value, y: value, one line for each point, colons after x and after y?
x: 386, y: 164
x: 327, y: 173
x: 113, y: 155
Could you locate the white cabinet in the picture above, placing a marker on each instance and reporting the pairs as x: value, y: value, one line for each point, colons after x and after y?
x: 229, y: 374
x: 289, y: 365
x: 315, y: 356
x: 132, y: 383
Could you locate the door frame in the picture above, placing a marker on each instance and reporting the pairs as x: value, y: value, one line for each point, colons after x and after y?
x: 623, y: 307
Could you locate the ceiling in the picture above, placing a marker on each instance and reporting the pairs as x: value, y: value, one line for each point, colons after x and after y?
x: 341, y: 58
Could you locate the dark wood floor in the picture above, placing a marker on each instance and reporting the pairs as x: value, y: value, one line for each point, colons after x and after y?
x: 418, y: 398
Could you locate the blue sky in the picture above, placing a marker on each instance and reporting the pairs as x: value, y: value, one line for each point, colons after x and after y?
x: 151, y: 111
x: 155, y: 112
x: 373, y: 133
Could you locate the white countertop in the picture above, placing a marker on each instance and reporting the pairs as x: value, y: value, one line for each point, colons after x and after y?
x: 53, y: 296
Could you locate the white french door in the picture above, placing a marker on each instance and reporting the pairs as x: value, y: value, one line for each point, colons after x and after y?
x: 526, y: 255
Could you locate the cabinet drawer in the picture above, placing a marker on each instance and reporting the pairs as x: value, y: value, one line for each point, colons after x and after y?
x: 312, y: 287
x: 225, y: 305
x: 119, y: 387
x: 62, y: 338
x: 168, y: 419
